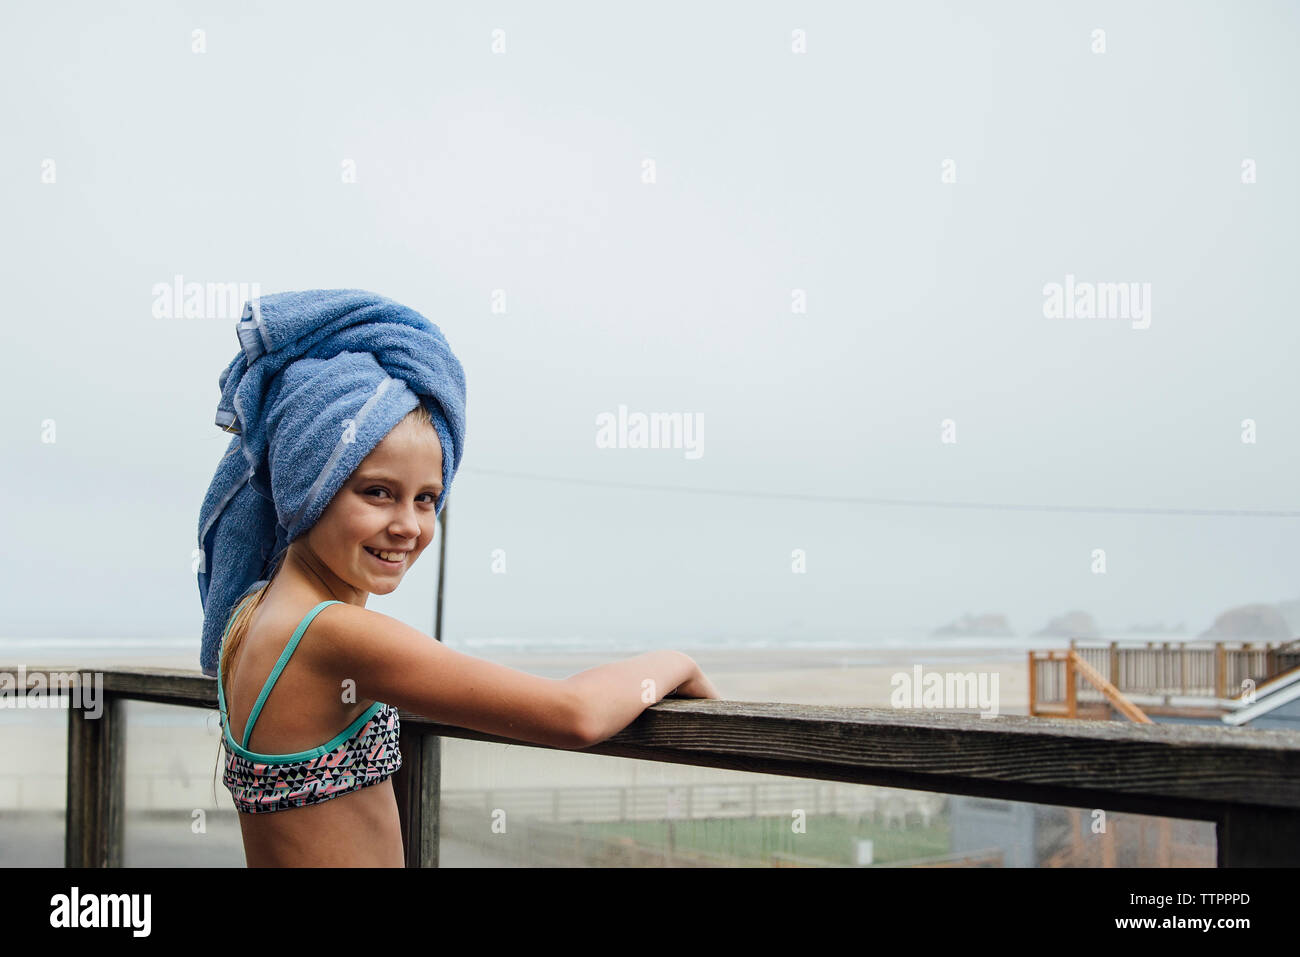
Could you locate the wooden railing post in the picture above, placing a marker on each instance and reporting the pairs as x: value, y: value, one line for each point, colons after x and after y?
x: 96, y: 786
x: 1071, y: 699
x: 1258, y: 837
x: 1033, y: 686
x: 417, y: 785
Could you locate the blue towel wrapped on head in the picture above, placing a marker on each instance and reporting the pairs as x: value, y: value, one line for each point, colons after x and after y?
x: 322, y: 377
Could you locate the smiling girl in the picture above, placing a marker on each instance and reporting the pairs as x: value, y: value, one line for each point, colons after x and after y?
x: 310, y: 680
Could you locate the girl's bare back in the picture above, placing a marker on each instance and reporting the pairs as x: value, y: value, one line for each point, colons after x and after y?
x: 304, y: 709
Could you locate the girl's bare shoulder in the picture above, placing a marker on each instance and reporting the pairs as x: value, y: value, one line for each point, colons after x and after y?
x: 341, y: 634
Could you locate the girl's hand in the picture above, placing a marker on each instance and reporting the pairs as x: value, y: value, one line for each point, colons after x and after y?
x: 696, y: 686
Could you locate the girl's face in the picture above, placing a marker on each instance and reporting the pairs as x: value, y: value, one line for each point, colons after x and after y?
x: 387, y: 505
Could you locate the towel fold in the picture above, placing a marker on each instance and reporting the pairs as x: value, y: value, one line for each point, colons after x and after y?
x: 321, y: 377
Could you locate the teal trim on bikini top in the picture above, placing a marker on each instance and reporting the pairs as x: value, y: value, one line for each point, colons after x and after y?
x: 241, y: 749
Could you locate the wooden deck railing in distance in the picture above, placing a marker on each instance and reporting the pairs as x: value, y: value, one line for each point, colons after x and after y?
x: 1247, y: 781
x: 1120, y: 703
x: 1194, y: 669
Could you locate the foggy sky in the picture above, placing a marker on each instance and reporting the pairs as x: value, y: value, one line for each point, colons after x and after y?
x: 522, y: 171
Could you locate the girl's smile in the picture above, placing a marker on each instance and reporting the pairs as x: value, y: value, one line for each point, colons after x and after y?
x: 379, y: 523
x: 386, y: 561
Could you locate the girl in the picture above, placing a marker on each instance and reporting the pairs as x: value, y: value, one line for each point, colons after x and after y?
x: 302, y: 658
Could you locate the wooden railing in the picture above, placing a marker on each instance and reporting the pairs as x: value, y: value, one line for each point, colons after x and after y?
x: 1076, y: 664
x: 1193, y: 669
x: 1247, y: 781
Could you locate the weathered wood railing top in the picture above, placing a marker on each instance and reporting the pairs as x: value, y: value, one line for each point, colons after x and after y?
x: 1246, y: 780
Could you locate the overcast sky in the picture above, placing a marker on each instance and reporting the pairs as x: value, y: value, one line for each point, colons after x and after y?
x: 647, y: 188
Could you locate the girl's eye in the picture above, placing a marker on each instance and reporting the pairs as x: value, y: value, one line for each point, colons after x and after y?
x: 433, y: 499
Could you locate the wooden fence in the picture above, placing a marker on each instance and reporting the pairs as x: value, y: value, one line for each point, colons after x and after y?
x: 1246, y: 781
x: 1186, y: 669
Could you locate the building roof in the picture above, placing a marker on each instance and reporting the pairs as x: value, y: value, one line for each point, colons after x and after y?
x: 1273, y: 695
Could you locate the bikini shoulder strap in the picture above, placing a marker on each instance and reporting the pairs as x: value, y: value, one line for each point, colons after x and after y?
x: 279, y: 666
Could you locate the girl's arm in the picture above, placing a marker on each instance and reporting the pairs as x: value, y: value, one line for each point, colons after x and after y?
x: 382, y: 659
x: 386, y: 660
x: 612, y: 696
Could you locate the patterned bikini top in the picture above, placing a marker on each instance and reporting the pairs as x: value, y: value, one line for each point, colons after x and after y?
x: 366, y: 752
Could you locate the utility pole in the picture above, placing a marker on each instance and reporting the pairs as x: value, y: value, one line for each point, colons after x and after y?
x: 442, y: 568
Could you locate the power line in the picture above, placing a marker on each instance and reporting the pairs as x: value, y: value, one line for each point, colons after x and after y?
x: 906, y: 503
